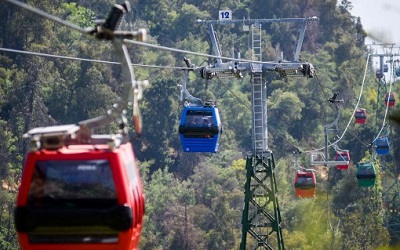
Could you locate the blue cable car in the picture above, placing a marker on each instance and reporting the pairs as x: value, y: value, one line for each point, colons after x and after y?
x: 382, y: 146
x: 366, y: 174
x: 200, y: 128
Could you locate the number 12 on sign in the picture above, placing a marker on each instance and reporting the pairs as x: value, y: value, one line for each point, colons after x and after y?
x: 225, y: 15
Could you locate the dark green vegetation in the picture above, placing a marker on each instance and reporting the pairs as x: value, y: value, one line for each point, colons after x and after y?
x: 194, y: 201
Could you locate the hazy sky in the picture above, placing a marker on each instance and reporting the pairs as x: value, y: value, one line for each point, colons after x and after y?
x: 380, y: 18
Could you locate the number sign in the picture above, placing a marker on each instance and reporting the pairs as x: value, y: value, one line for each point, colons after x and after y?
x: 225, y: 15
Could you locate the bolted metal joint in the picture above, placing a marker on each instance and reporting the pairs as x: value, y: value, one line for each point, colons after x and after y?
x: 106, y: 29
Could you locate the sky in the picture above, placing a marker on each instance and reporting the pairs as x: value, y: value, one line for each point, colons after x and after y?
x: 380, y: 19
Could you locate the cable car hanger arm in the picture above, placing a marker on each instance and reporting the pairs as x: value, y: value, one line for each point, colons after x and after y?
x: 185, y: 95
x: 103, y: 31
x: 131, y: 90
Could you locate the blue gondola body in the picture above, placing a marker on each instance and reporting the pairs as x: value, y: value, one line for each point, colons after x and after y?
x: 382, y: 146
x: 200, y: 129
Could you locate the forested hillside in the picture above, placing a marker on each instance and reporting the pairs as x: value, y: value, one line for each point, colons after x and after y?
x: 195, y: 200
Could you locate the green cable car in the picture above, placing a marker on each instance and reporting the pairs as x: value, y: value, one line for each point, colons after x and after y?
x: 366, y: 174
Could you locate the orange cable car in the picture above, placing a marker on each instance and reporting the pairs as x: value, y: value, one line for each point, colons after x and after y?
x: 80, y: 197
x: 342, y: 156
x: 361, y: 116
x: 305, y: 184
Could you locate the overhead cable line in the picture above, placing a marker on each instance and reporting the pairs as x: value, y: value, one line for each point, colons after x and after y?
x: 87, y: 31
x: 351, y: 117
x: 358, y: 139
x: 358, y: 101
x: 138, y: 65
x: 85, y: 59
x: 386, y: 109
x: 90, y: 31
x: 233, y: 93
x: 48, y: 16
x: 320, y: 85
x: 356, y: 107
x: 196, y: 53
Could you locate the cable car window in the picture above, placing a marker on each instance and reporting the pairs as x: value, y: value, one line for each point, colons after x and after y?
x: 342, y: 157
x: 129, y: 166
x: 72, y: 180
x: 360, y: 114
x: 305, y: 180
x: 199, y: 118
x: 366, y: 170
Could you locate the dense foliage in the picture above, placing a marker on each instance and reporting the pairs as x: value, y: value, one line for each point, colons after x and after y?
x: 194, y: 201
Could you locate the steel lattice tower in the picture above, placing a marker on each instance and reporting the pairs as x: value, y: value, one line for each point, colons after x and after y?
x: 261, y: 217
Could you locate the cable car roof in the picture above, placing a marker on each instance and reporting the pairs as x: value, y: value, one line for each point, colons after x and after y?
x: 56, y: 137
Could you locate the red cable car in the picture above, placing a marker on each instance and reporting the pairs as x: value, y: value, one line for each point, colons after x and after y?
x: 76, y: 196
x: 390, y: 100
x: 81, y: 191
x: 361, y: 116
x: 305, y: 184
x: 342, y: 156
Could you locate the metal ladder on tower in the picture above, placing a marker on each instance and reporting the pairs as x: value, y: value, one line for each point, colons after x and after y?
x: 261, y: 215
x: 259, y: 112
x: 258, y: 93
x: 256, y: 42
